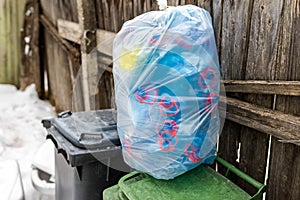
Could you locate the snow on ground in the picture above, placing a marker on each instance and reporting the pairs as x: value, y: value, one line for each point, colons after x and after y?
x: 21, y: 131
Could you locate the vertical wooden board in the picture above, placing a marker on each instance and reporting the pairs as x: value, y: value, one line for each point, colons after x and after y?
x: 8, y: 41
x: 77, y: 92
x: 263, y: 44
x: 193, y: 2
x: 287, y: 58
x: 104, y: 99
x: 31, y: 70
x: 120, y: 19
x: 99, y: 13
x: 60, y: 84
x: 217, y: 18
x: 253, y: 157
x: 68, y: 10
x: 284, y: 173
x: 114, y: 13
x: 229, y: 143
x: 109, y: 89
x: 3, y: 51
x: 77, y: 97
x: 59, y: 75
x: 88, y: 25
x: 232, y: 36
x: 127, y: 10
x: 112, y: 89
x: 206, y: 4
x: 101, y: 98
x: 137, y: 7
x: 106, y: 15
x: 18, y: 10
x: 172, y: 3
x: 13, y: 41
x: 147, y: 6
x: 19, y: 17
x: 154, y: 6
x: 52, y: 88
x: 60, y: 9
x: 259, y: 66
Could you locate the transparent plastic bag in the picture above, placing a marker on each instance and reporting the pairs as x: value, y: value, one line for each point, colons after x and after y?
x: 167, y: 84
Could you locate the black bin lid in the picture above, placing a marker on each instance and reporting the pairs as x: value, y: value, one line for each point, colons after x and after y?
x: 88, y: 130
x: 80, y: 136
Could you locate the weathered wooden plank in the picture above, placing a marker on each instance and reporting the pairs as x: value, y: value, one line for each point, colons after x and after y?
x: 105, y: 93
x: 60, y: 87
x: 104, y: 41
x: 11, y: 15
x: 60, y: 9
x: 281, y: 125
x: 232, y: 22
x: 14, y: 33
x: 52, y: 30
x: 217, y: 18
x: 88, y: 25
x: 71, y: 31
x: 284, y: 175
x: 106, y: 15
x: 291, y: 88
x: 264, y: 20
x: 31, y: 69
x: 234, y: 37
x: 9, y: 69
x: 147, y: 6
x: 73, y: 53
x: 99, y: 12
x: 206, y: 4
x: 57, y: 61
x: 3, y: 51
x: 229, y: 144
x: 287, y: 59
x: 127, y: 10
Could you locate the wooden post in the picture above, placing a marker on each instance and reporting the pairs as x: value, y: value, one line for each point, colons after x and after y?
x: 88, y: 25
x: 32, y: 70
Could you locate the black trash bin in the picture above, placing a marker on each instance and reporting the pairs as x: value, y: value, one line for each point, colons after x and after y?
x: 88, y: 155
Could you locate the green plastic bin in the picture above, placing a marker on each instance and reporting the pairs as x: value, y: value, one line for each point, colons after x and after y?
x: 202, y: 183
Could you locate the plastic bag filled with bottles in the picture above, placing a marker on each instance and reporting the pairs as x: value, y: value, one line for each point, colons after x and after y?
x: 167, y: 83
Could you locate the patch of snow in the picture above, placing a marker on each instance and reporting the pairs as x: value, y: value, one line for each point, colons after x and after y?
x: 27, y: 39
x: 27, y: 48
x: 21, y: 131
x: 29, y: 11
x: 12, y: 189
x: 163, y: 4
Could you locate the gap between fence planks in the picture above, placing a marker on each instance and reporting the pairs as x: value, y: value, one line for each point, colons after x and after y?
x: 283, y: 126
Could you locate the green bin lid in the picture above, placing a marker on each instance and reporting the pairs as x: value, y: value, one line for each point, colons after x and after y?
x: 202, y: 183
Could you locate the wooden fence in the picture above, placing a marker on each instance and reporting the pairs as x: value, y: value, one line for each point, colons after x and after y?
x: 259, y: 48
x: 11, y: 18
